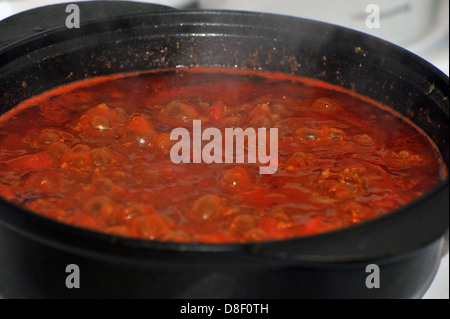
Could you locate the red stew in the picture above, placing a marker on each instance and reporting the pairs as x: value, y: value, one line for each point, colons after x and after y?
x: 96, y: 154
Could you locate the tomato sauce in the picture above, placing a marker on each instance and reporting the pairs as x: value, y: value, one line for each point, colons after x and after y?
x: 96, y: 154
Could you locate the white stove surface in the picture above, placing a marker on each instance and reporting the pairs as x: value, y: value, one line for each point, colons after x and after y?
x: 433, y: 47
x: 439, y: 288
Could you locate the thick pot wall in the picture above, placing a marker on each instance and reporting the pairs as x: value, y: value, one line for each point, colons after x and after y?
x: 36, y: 270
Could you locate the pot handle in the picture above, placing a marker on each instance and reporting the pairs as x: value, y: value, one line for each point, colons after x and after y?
x: 40, y: 20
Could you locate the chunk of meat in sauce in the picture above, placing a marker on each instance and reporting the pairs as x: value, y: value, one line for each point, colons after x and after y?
x: 177, y: 236
x: 45, y: 139
x: 98, y: 122
x: 78, y: 157
x: 162, y: 143
x: 53, y: 208
x: 260, y: 116
x: 310, y: 133
x: 235, y: 179
x: 207, y: 207
x: 319, y: 133
x: 216, y: 112
x: 341, y: 184
x: 102, y: 207
x: 272, y: 227
x: 45, y: 181
x: 37, y: 161
x: 137, y: 132
x: 56, y: 150
x: 180, y: 113
x: 150, y: 226
x: 402, y: 158
x: 242, y: 224
x: 300, y: 161
x: 101, y: 156
x: 232, y: 122
x: 132, y: 211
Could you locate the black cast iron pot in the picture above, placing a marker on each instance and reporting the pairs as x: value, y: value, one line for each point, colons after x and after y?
x: 37, y: 48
